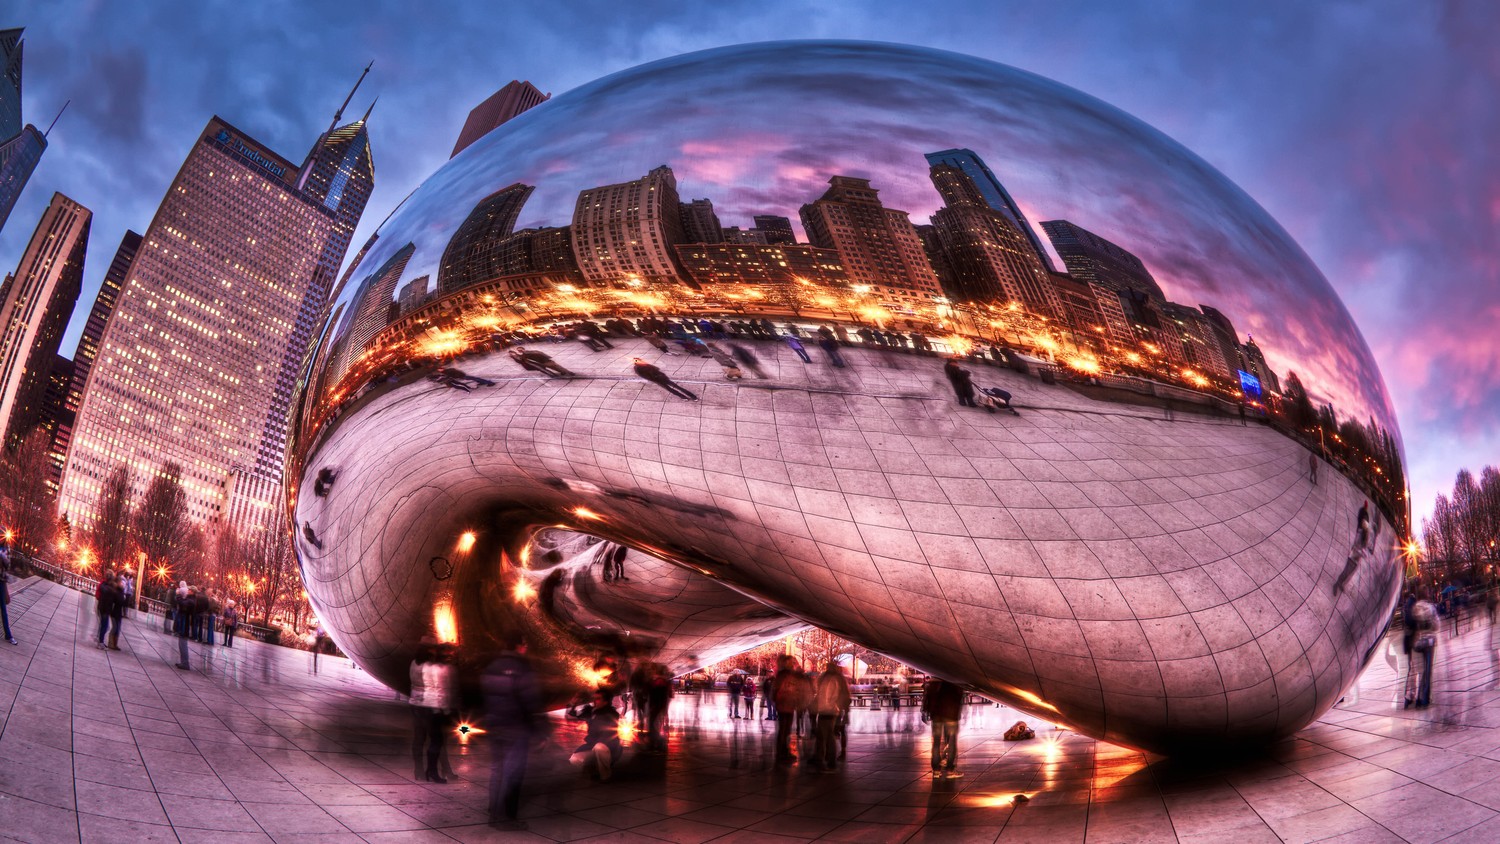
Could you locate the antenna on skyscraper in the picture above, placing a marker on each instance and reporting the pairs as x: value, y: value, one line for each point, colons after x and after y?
x: 57, y: 118
x: 338, y: 115
x: 322, y: 139
x: 370, y: 109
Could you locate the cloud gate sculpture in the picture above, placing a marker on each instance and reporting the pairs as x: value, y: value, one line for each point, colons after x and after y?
x: 943, y: 357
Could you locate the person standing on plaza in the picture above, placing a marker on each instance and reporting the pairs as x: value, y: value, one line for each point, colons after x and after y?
x: 231, y: 622
x: 432, y: 696
x: 5, y: 589
x: 736, y: 686
x: 127, y: 586
x: 210, y: 616
x: 319, y: 636
x: 747, y: 692
x: 942, y: 705
x: 116, y: 611
x: 748, y: 359
x: 601, y: 747
x: 103, y: 601
x: 513, y: 703
x: 658, y: 700
x: 1424, y: 619
x: 792, y: 693
x: 767, y: 695
x: 831, y: 699
x: 184, y: 611
x: 653, y: 373
x: 615, y: 562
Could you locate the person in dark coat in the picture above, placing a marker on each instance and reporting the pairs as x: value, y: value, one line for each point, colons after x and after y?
x: 601, y: 747
x: 942, y: 705
x: 186, y: 610
x: 962, y: 381
x: 653, y: 373
x: 5, y: 589
x: 513, y: 702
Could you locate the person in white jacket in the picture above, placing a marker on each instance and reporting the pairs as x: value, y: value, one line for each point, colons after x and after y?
x: 432, y: 705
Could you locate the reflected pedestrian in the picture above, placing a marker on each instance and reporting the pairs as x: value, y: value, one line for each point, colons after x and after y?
x: 1312, y: 468
x: 830, y: 347
x: 539, y: 362
x: 319, y: 636
x: 942, y: 705
x: 514, y: 705
x: 652, y: 373
x: 104, y: 601
x: 659, y: 344
x: 767, y: 696
x: 735, y: 684
x: 962, y: 381
x: 747, y: 692
x: 748, y: 359
x: 658, y: 699
x: 796, y: 346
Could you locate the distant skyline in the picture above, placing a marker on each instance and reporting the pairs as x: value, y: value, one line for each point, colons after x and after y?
x: 1384, y: 172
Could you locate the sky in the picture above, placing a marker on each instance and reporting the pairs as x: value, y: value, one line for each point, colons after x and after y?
x: 1365, y: 129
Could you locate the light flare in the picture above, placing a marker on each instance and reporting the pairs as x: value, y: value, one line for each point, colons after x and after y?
x: 445, y: 623
x: 466, y: 541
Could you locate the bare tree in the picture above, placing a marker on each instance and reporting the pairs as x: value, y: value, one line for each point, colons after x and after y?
x: 111, y: 534
x: 27, y: 508
x: 271, y: 567
x: 161, y: 520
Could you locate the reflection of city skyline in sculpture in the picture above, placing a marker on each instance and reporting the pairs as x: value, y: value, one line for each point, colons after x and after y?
x: 568, y: 326
x: 1106, y: 314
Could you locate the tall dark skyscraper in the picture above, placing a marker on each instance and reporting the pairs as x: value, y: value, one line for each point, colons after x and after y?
x: 994, y: 193
x: 476, y: 252
x: 778, y: 230
x: 700, y: 224
x: 504, y: 104
x: 104, y: 305
x: 989, y: 256
x: 197, y: 363
x: 877, y: 246
x: 1090, y: 257
x: 21, y: 146
x: 35, y: 306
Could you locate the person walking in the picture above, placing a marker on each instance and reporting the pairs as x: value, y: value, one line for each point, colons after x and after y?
x: 319, y: 636
x: 1312, y: 468
x: 962, y: 381
x: 539, y: 362
x: 792, y: 692
x: 1424, y: 619
x: 831, y: 701
x: 747, y: 692
x: 127, y: 586
x: 652, y: 373
x: 768, y: 696
x: 5, y: 590
x: 796, y: 346
x: 211, y: 616
x: 748, y: 359
x: 116, y: 610
x: 658, y: 699
x: 942, y: 705
x: 830, y: 347
x: 103, y: 600
x: 513, y: 704
x: 231, y: 623
x: 431, y: 701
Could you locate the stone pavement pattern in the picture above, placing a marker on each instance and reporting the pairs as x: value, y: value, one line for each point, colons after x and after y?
x: 251, y: 746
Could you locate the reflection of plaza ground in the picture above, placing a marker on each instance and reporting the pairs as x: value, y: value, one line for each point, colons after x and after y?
x: 1157, y: 578
x: 111, y: 747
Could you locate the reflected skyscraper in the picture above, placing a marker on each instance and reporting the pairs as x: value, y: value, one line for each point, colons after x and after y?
x: 877, y: 246
x: 990, y: 257
x: 627, y: 231
x: 476, y: 252
x: 20, y: 147
x: 1090, y: 257
x: 994, y: 193
x: 35, y: 306
x: 197, y: 364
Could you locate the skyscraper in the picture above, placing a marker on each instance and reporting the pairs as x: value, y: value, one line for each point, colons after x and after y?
x: 20, y: 148
x: 626, y: 231
x: 877, y: 246
x: 197, y: 363
x: 991, y: 259
x: 504, y: 104
x: 36, y: 303
x: 1090, y: 257
x: 700, y: 224
x: 104, y: 305
x: 778, y: 230
x: 476, y: 252
x: 996, y: 197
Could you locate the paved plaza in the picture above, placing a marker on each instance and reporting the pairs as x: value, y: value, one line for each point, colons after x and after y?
x: 251, y: 746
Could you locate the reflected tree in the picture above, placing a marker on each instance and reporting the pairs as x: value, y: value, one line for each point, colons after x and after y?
x: 27, y: 508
